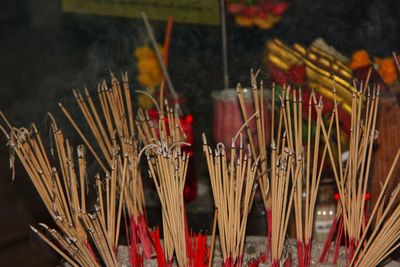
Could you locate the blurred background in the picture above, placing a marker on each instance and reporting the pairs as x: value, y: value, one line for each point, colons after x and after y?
x: 48, y: 48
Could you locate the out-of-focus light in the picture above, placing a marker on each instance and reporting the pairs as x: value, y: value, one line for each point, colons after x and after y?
x: 189, y: 118
x: 336, y: 196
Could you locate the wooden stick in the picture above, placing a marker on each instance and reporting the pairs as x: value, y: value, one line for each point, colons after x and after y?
x: 62, y: 254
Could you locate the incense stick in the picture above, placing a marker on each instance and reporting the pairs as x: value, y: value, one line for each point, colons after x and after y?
x: 232, y: 184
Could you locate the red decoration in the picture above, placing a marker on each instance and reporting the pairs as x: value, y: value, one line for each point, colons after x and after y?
x: 190, y: 189
x: 337, y: 196
x: 367, y: 196
x: 296, y: 75
x: 260, y: 9
x: 155, y: 236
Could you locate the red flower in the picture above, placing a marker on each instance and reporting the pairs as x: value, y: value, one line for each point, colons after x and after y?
x: 297, y: 74
x: 279, y: 8
x: 279, y: 76
x: 250, y: 11
x: 234, y: 8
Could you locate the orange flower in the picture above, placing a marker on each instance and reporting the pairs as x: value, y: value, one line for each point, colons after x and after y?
x: 143, y: 52
x: 149, y: 79
x: 360, y: 59
x: 148, y: 65
x: 244, y: 21
x: 149, y: 71
x: 387, y: 70
x: 266, y: 23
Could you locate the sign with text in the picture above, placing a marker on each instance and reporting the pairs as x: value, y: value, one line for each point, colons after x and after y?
x: 187, y: 11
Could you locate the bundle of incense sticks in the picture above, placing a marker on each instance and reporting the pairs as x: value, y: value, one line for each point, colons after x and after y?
x: 385, y: 230
x: 189, y: 249
x: 305, y: 168
x: 167, y: 167
x: 111, y: 121
x: 164, y: 142
x: 261, y: 148
x: 352, y: 183
x: 232, y: 186
x: 135, y: 205
x: 307, y: 163
x: 81, y: 235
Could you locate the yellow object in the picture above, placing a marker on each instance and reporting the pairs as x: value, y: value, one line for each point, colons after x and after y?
x: 244, y: 21
x: 387, y: 70
x: 360, y: 59
x: 149, y: 71
x: 148, y: 65
x: 321, y: 69
x: 266, y: 23
x: 149, y: 74
x: 144, y: 52
x: 149, y: 79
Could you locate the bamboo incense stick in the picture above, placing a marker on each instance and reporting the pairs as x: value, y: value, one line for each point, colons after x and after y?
x: 232, y: 184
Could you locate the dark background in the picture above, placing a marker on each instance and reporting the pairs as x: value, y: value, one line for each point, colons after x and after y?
x: 45, y: 53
